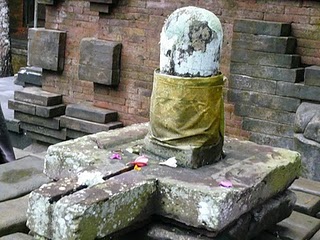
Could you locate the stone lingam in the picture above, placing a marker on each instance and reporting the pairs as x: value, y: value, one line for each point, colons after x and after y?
x: 113, y: 185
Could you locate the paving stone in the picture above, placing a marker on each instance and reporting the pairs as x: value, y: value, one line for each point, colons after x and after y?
x: 91, y: 113
x: 316, y: 236
x: 307, y: 203
x: 253, y: 169
x: 50, y: 111
x: 75, y: 134
x: 42, y: 138
x: 262, y: 43
x: 52, y: 123
x: 13, y: 216
x: 271, y: 140
x: 264, y: 100
x: 312, y: 76
x: 17, y: 236
x: 20, y: 177
x: 266, y: 127
x: 265, y: 59
x: 293, y: 75
x: 59, y: 134
x: 22, y: 107
x: 298, y: 226
x: 35, y: 95
x: 243, y: 82
x: 19, y: 153
x: 87, y: 126
x: 262, y: 27
x: 306, y: 185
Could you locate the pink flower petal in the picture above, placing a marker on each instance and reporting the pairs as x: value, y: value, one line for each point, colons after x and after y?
x: 116, y: 156
x: 226, y: 184
x: 140, y: 161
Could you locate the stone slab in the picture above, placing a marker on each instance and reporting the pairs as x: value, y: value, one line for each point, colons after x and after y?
x: 298, y: 226
x: 312, y: 76
x: 52, y: 123
x: 265, y: 58
x: 306, y: 185
x: 75, y: 134
x: 22, y: 107
x: 87, y: 126
x: 288, y: 104
x: 17, y: 236
x: 46, y: 48
x: 42, y: 138
x: 254, y: 170
x: 309, y: 151
x: 266, y: 127
x: 100, y: 61
x: 95, y: 149
x: 262, y: 27
x: 270, y: 44
x: 307, y: 203
x: 287, y: 89
x: 13, y: 125
x: 35, y: 95
x: 243, y: 82
x: 271, y: 140
x: 316, y: 236
x: 312, y: 130
x: 91, y: 113
x: 13, y: 216
x: 30, y: 75
x: 50, y: 111
x: 310, y: 93
x: 292, y: 75
x: 305, y: 113
x: 59, y: 134
x: 20, y: 177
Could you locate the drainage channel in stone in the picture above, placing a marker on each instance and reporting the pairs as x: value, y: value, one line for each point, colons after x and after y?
x: 73, y: 190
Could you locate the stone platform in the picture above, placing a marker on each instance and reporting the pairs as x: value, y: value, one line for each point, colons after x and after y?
x: 96, y: 196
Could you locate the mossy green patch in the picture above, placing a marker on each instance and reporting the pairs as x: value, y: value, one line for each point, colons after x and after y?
x: 15, y: 176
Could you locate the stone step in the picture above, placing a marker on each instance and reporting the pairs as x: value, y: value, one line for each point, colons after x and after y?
x: 42, y: 138
x: 87, y: 126
x: 37, y: 110
x: 52, y: 123
x: 17, y: 236
x: 35, y: 95
x: 298, y: 226
x: 29, y: 75
x: 59, y: 134
x: 307, y: 186
x: 91, y: 113
x: 312, y: 76
x: 13, y: 216
x: 262, y: 27
x: 307, y: 203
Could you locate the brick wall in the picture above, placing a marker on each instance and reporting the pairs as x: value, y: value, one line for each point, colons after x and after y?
x: 137, y: 25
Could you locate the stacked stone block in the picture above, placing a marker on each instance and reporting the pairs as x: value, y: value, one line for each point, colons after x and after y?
x: 262, y: 61
x: 38, y: 112
x: 83, y: 119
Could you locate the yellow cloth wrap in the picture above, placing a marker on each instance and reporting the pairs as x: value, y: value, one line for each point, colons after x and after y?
x: 187, y: 111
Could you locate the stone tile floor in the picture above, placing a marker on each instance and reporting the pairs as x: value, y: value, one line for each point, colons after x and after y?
x: 303, y: 224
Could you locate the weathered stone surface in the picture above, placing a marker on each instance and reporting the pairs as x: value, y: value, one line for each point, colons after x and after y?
x: 243, y: 82
x: 298, y: 226
x: 59, y: 134
x: 31, y: 75
x: 264, y: 100
x: 47, y: 2
x: 100, y: 61
x: 252, y: 111
x: 190, y: 44
x: 21, y: 177
x: 193, y: 197
x: 305, y: 113
x: 310, y: 93
x: 262, y: 43
x: 259, y: 27
x: 310, y: 151
x: 42, y: 138
x: 75, y: 134
x: 292, y: 75
x: 13, y: 216
x: 46, y: 48
x: 50, y: 111
x: 17, y: 236
x: 307, y: 203
x: 265, y: 58
x: 287, y: 89
x: 99, y: 7
x: 35, y: 95
x: 312, y: 76
x: 13, y: 125
x: 67, y: 158
x: 91, y: 113
x: 312, y: 130
x: 306, y: 185
x: 52, y: 123
x: 87, y: 126
x: 316, y: 236
x: 92, y: 212
x: 22, y: 107
x: 261, y: 126
x: 271, y: 140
